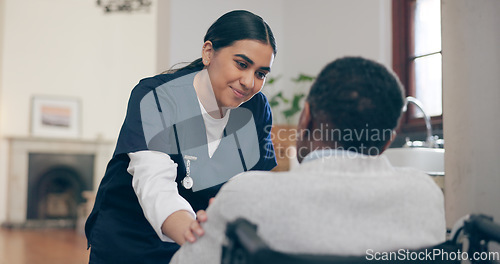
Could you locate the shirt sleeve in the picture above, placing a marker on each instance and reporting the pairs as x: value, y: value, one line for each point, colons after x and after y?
x: 154, y: 184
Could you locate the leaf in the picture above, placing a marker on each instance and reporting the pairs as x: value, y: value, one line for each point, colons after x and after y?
x: 273, y: 103
x: 272, y: 80
x: 303, y: 78
x: 285, y: 100
x: 295, y: 107
x: 296, y: 99
x: 274, y: 100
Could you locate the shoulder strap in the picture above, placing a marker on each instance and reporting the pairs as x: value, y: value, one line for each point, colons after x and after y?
x: 163, y: 122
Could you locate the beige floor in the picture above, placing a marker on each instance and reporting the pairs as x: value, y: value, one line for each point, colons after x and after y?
x: 42, y: 246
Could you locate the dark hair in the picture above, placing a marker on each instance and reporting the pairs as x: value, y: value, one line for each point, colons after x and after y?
x: 360, y: 97
x: 233, y: 26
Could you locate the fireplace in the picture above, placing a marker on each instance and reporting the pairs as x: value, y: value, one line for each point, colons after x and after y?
x: 56, y: 183
x: 50, y: 180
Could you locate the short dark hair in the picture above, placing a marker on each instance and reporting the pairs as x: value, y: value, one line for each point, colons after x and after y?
x: 361, y: 99
x: 233, y: 26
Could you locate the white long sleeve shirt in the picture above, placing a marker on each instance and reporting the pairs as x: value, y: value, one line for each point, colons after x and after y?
x: 154, y: 184
x: 154, y: 176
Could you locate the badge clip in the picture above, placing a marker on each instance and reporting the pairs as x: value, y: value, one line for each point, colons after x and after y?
x: 187, y: 182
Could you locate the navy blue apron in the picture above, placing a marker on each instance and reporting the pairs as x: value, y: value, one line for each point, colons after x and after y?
x: 117, y: 230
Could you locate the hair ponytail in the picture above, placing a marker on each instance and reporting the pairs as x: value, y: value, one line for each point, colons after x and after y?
x: 231, y: 27
x: 198, y: 63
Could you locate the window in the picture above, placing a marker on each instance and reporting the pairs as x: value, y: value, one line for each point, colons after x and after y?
x: 417, y: 58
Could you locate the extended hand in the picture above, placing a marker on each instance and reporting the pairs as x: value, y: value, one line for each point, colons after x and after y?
x: 195, y: 230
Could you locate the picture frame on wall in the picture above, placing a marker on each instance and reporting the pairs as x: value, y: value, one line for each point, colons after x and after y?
x: 55, y: 117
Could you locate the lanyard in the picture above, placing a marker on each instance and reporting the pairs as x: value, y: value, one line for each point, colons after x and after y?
x: 187, y: 181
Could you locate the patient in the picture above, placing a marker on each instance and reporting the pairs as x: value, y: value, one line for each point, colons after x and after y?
x: 344, y: 198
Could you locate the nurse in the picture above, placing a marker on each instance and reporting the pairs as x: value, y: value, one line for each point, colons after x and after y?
x: 185, y: 134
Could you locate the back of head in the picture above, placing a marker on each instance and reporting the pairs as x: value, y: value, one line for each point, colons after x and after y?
x: 360, y: 101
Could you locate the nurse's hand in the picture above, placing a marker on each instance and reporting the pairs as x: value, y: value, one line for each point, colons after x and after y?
x: 195, y: 230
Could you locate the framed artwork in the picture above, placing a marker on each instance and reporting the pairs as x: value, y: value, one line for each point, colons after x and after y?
x: 56, y: 117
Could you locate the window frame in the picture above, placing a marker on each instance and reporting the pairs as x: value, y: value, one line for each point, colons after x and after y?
x: 402, y: 41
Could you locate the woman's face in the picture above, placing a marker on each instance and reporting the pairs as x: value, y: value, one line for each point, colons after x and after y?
x: 237, y: 72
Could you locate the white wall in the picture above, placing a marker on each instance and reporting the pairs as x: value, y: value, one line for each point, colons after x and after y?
x: 3, y: 149
x: 319, y: 31
x: 471, y: 96
x: 309, y: 34
x: 70, y: 48
x: 163, y: 35
x: 2, y: 19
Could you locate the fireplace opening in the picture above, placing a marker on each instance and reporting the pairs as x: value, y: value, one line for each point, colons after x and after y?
x: 55, y: 186
x: 58, y: 195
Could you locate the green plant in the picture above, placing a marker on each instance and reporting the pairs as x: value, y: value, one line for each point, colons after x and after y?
x: 294, y: 107
x: 303, y: 78
x: 291, y: 106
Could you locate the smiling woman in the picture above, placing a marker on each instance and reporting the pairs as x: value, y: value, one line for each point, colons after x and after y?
x: 186, y: 133
x: 238, y: 71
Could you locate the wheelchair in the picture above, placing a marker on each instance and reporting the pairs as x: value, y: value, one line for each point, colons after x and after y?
x: 469, y: 242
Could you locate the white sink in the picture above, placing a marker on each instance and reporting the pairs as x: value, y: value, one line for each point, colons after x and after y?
x: 430, y: 160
